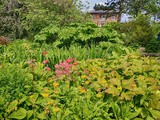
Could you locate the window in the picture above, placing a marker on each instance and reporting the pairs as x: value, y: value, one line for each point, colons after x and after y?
x: 112, y: 17
x: 102, y: 16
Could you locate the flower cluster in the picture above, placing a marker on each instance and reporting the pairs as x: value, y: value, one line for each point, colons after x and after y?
x: 44, y: 53
x: 64, y: 68
x: 45, y: 62
x: 31, y: 63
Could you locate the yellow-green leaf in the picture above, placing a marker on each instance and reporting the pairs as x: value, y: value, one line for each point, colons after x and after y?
x: 155, y: 113
x: 41, y: 115
x: 34, y: 97
x: 12, y: 106
x: 29, y: 113
x: 23, y: 99
x: 19, y: 114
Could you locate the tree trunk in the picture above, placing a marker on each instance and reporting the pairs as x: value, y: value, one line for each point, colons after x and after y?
x: 121, y: 8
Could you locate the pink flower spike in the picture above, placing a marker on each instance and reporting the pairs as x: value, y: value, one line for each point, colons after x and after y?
x: 69, y: 60
x: 45, y: 61
x: 48, y: 69
x: 44, y: 53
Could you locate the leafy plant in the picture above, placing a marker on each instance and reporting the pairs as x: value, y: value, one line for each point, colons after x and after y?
x: 78, y: 33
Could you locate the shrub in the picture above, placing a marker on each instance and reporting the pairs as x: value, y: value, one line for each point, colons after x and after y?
x: 78, y: 33
x: 153, y: 46
x: 112, y: 89
x: 138, y: 31
x: 12, y: 81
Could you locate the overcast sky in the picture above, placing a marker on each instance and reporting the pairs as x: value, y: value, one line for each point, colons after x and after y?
x: 92, y: 2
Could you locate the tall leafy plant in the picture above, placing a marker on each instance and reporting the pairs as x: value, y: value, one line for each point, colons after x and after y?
x: 79, y: 33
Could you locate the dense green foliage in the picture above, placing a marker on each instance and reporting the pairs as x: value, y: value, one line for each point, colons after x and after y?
x: 43, y: 88
x: 64, y: 67
x: 78, y: 33
x: 139, y: 32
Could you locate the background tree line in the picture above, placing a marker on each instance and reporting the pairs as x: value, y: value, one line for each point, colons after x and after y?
x: 131, y: 7
x: 25, y: 18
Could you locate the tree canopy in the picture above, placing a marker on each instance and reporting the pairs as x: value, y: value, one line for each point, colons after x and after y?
x: 25, y: 18
x: 131, y: 7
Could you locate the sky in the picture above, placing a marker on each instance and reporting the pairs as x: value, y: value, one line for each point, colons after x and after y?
x: 93, y: 2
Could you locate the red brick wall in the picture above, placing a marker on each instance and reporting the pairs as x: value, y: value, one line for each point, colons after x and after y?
x: 96, y: 18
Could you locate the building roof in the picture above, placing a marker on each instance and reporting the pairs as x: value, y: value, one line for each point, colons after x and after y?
x: 98, y: 12
x: 102, y: 12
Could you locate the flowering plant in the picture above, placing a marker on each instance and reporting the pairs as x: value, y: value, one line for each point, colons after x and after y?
x: 64, y: 68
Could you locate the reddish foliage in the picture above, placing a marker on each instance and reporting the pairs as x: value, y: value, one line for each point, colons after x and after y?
x: 3, y: 40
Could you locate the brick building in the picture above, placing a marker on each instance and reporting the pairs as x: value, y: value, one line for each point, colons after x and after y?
x: 100, y: 17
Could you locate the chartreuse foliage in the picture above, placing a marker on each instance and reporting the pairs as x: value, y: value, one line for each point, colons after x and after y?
x: 77, y: 33
x: 127, y: 88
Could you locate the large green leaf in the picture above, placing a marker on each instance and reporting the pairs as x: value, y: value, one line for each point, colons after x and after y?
x: 41, y: 115
x: 155, y: 113
x: 34, y: 97
x: 29, y: 113
x: 23, y: 99
x: 116, y: 110
x: 12, y: 106
x: 133, y: 115
x: 19, y: 114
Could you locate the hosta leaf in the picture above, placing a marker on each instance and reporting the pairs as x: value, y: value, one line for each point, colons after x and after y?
x: 33, y: 97
x: 23, y: 99
x: 12, y: 106
x: 41, y: 115
x: 133, y: 115
x: 155, y: 113
x: 150, y: 118
x: 19, y: 114
x: 29, y: 113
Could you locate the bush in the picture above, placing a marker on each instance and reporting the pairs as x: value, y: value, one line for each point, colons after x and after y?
x: 112, y: 89
x: 77, y: 33
x: 153, y: 46
x: 13, y: 79
x: 139, y: 31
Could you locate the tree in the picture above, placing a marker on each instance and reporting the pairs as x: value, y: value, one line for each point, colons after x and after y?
x: 10, y: 20
x: 131, y: 7
x: 134, y: 7
x: 25, y: 18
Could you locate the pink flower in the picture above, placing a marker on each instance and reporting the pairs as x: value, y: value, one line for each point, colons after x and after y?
x: 48, y: 69
x: 69, y: 60
x: 75, y: 63
x: 44, y: 53
x: 86, y: 71
x: 64, y: 68
x: 45, y: 61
